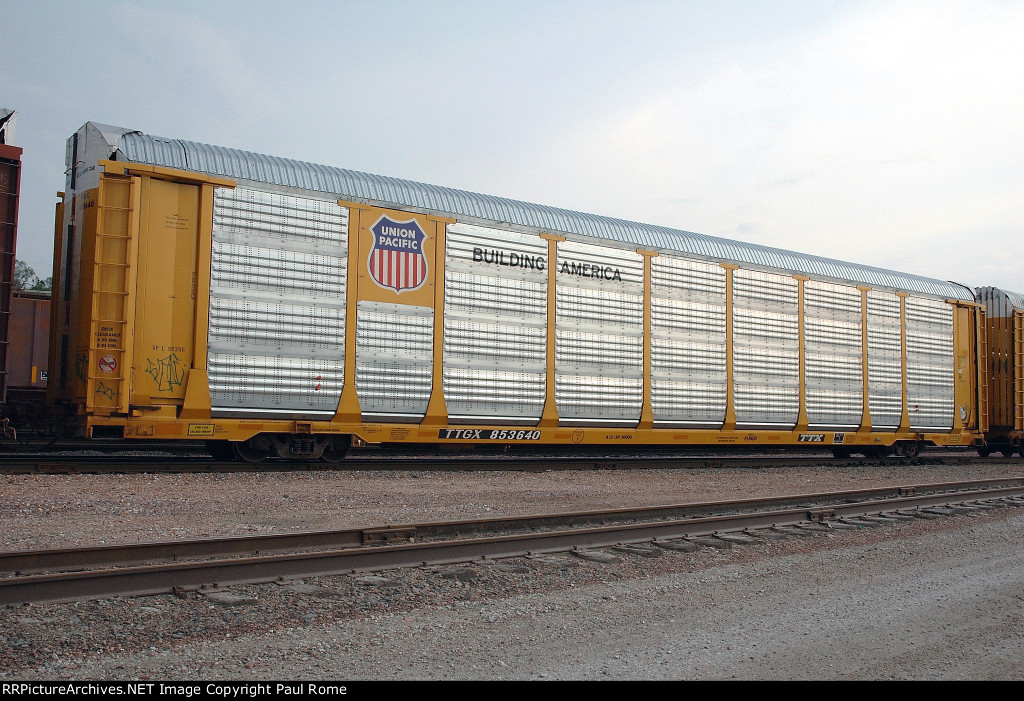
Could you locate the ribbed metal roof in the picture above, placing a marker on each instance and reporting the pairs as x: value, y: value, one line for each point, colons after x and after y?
x: 134, y: 146
x: 1016, y: 300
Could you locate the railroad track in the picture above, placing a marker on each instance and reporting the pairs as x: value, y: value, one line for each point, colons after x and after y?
x: 154, y: 568
x: 128, y: 464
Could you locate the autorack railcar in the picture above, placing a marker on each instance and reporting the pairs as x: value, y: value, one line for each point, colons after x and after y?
x: 1003, y: 365
x: 289, y: 309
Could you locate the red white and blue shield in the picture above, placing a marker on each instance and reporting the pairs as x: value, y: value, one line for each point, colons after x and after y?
x: 397, y: 261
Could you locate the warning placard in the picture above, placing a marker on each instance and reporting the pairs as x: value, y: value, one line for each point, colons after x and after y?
x: 108, y: 364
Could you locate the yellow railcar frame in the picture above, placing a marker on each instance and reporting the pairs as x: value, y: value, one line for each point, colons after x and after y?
x: 110, y: 288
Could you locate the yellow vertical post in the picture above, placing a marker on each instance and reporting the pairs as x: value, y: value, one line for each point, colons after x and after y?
x: 647, y: 410
x: 437, y: 408
x: 197, y: 393
x: 801, y: 420
x: 965, y: 371
x: 730, y: 406
x: 137, y: 278
x: 959, y: 361
x: 549, y: 418
x: 349, y: 410
x: 204, y: 265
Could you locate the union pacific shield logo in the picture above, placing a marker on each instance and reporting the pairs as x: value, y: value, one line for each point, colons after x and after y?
x: 397, y: 261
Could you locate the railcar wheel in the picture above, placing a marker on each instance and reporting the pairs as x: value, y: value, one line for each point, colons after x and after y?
x: 336, y: 450
x: 254, y: 450
x: 908, y: 449
x: 881, y: 451
x: 984, y: 451
x: 841, y: 453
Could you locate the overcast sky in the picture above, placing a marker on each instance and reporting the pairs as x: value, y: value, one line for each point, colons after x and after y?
x: 886, y: 133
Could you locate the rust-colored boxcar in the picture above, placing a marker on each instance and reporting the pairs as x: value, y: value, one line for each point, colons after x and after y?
x: 27, y: 352
x: 10, y: 185
x: 1004, y: 323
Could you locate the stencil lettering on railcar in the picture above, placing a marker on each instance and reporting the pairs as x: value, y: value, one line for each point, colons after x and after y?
x: 592, y: 270
x: 482, y: 434
x: 397, y: 261
x: 108, y: 337
x: 812, y: 438
x: 510, y: 259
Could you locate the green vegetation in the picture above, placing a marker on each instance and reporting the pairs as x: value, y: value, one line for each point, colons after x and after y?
x: 25, y: 278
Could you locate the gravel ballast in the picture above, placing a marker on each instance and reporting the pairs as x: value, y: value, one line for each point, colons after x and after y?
x: 927, y: 599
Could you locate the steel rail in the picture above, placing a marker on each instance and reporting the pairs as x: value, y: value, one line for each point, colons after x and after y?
x: 175, y: 464
x: 53, y: 560
x: 156, y: 579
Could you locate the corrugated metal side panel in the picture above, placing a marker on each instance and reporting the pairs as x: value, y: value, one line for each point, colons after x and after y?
x: 885, y: 360
x: 598, y: 335
x: 766, y: 349
x: 353, y: 185
x: 394, y: 360
x: 277, y: 304
x: 833, y: 375
x: 929, y: 364
x: 495, y: 325
x: 688, y: 351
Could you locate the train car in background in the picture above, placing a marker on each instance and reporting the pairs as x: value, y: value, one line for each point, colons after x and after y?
x: 25, y: 408
x: 1003, y: 365
x: 10, y: 187
x: 280, y: 308
x: 27, y: 362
